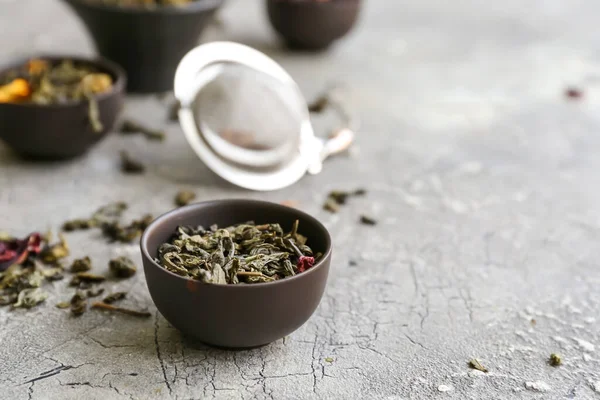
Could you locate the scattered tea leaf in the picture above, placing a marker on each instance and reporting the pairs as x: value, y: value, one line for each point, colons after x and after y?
x: 81, y: 265
x: 127, y: 311
x: 63, y: 304
x: 8, y: 299
x: 28, y: 298
x: 52, y: 253
x: 337, y: 198
x: 78, y: 224
x: 555, y: 360
x: 319, y: 104
x: 184, y: 197
x: 365, y: 220
x: 475, y: 364
x: 86, y: 277
x: 130, y: 165
x: 174, y: 111
x: 94, y: 292
x: 122, y: 267
x: 78, y: 303
x: 329, y: 359
x: 114, y: 297
x: 129, y: 127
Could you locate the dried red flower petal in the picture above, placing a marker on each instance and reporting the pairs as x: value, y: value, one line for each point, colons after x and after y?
x: 304, y: 263
x: 15, y: 251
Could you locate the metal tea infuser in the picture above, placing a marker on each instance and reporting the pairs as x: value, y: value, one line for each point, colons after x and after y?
x: 246, y: 119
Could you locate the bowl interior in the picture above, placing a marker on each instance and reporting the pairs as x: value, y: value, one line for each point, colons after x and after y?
x: 117, y: 74
x: 229, y: 212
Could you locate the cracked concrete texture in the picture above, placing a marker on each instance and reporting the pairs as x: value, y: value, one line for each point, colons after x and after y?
x: 483, y: 178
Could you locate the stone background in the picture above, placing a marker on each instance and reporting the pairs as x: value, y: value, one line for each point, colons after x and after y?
x: 483, y: 176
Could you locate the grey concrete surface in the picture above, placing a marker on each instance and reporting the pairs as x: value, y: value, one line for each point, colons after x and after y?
x: 483, y: 177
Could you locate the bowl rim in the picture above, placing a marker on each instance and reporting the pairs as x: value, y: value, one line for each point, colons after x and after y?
x: 232, y: 203
x: 194, y: 7
x: 98, y: 61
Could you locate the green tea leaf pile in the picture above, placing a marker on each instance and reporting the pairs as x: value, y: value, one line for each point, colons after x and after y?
x: 244, y: 253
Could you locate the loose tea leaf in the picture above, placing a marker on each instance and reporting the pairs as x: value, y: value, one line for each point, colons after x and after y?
x: 126, y: 234
x: 367, y: 220
x: 28, y: 298
x: 329, y: 359
x: 78, y: 303
x: 337, y: 198
x: 81, y: 265
x: 555, y: 360
x: 78, y: 224
x: 94, y: 292
x: 122, y: 267
x: 7, y: 299
x: 184, y: 197
x: 52, y: 253
x: 63, y: 304
x: 131, y: 127
x: 243, y: 253
x: 127, y: 311
x: 475, y: 364
x: 174, y: 111
x: 114, y: 297
x: 130, y: 165
x: 86, y: 277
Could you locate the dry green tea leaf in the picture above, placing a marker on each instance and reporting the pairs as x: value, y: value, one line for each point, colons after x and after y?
x: 63, y: 304
x: 367, y: 220
x: 94, y: 292
x: 86, y: 277
x: 78, y: 303
x: 555, y: 360
x: 129, y: 127
x: 184, y: 197
x: 122, y: 267
x: 130, y: 165
x: 114, y: 297
x: 81, y: 265
x: 475, y: 364
x: 28, y: 298
x: 329, y: 359
x: 52, y: 253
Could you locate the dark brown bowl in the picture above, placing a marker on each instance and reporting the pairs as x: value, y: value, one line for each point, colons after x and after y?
x: 236, y: 316
x: 148, y: 43
x: 61, y: 131
x: 310, y: 24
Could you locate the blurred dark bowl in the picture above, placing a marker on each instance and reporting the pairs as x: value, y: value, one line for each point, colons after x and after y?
x: 236, y: 316
x: 147, y: 43
x: 310, y: 24
x: 61, y: 131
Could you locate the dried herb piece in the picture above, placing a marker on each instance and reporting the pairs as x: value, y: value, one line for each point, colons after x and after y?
x: 126, y: 234
x: 122, y: 267
x: 130, y: 165
x: 63, y: 304
x: 53, y: 274
x: 243, y: 253
x: 328, y: 359
x: 78, y: 224
x: 94, y: 292
x: 319, y: 104
x: 15, y: 251
x: 130, y: 127
x: 555, y: 360
x: 337, y: 198
x: 81, y: 265
x: 127, y: 311
x: 114, y: 297
x: 52, y: 253
x: 184, y: 197
x: 86, y: 277
x: 78, y: 303
x: 28, y: 298
x: 475, y: 364
x: 367, y: 220
x: 8, y: 299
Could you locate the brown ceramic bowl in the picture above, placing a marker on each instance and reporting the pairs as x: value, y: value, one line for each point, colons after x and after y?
x: 311, y: 24
x: 236, y: 316
x: 147, y: 43
x: 61, y: 131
